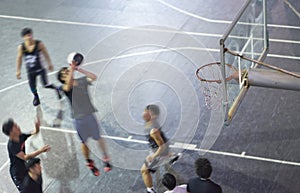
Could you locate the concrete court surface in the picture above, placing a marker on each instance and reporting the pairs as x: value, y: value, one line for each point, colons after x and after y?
x: 258, y: 152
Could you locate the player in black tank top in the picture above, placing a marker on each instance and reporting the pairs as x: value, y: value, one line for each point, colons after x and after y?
x: 31, y: 51
x: 32, y: 59
x: 152, y: 143
x: 158, y: 143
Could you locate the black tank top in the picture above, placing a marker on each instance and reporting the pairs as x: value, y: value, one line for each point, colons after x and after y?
x: 32, y: 60
x: 152, y: 144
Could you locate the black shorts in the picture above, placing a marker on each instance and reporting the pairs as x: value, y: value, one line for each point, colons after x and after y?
x: 18, y: 181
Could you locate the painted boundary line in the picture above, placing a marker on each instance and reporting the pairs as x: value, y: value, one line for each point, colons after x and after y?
x: 292, y: 8
x: 120, y: 57
x: 184, y: 146
x: 135, y: 28
x: 216, y: 20
x: 149, y: 52
x: 4, y: 165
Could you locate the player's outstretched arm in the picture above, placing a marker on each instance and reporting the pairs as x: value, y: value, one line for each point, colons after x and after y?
x: 19, y: 62
x: 91, y: 76
x: 26, y: 157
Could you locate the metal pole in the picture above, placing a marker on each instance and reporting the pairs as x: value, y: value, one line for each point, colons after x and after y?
x: 222, y: 59
x: 266, y: 38
x: 236, y: 19
x: 272, y: 79
x: 263, y: 64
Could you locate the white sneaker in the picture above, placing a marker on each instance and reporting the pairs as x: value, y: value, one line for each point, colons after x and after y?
x: 175, y: 158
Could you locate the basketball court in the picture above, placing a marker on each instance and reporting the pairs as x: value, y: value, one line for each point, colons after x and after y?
x: 148, y: 52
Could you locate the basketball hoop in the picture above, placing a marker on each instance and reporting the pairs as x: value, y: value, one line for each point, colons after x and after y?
x: 210, y: 77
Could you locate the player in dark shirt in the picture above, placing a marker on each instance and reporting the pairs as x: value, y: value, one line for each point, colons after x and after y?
x: 16, y: 150
x: 158, y: 144
x: 33, y: 182
x: 203, y: 183
x: 34, y: 51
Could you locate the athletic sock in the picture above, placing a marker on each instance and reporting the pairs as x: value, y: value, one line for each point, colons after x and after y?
x: 105, y: 156
x: 89, y: 160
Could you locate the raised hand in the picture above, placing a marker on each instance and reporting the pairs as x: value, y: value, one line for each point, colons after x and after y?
x: 45, y: 148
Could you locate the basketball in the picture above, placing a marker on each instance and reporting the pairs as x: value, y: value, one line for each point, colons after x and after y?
x: 75, y: 56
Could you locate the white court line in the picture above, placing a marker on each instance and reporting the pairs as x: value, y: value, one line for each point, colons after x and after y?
x: 218, y: 21
x: 149, y: 52
x: 120, y: 57
x: 153, y: 52
x: 4, y: 165
x: 21, y: 83
x: 292, y: 8
x: 104, y: 136
x: 185, y: 145
x: 179, y: 145
x: 283, y: 56
x: 58, y: 129
x: 13, y: 86
x: 192, y: 14
x: 106, y: 26
x: 284, y: 41
x: 133, y: 28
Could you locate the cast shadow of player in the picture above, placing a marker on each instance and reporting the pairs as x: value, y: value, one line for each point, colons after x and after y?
x: 238, y: 181
x: 242, y: 183
x: 182, y: 171
x: 61, y: 162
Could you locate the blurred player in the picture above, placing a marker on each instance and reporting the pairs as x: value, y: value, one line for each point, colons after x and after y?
x: 16, y: 150
x: 32, y: 51
x: 169, y: 181
x: 203, y: 183
x: 33, y: 182
x: 82, y: 109
x: 158, y: 144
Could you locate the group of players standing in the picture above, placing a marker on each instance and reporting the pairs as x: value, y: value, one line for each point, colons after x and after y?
x: 25, y: 169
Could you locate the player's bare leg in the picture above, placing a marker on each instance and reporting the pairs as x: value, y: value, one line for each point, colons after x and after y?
x: 107, y: 166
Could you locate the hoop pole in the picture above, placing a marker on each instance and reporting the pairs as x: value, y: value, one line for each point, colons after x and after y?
x: 236, y: 104
x: 222, y: 57
x: 272, y: 79
x: 262, y: 63
x: 235, y: 21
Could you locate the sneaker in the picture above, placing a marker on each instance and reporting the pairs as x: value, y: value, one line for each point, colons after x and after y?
x: 93, y: 168
x: 107, y: 165
x: 36, y: 101
x: 175, y: 158
x: 151, y: 191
